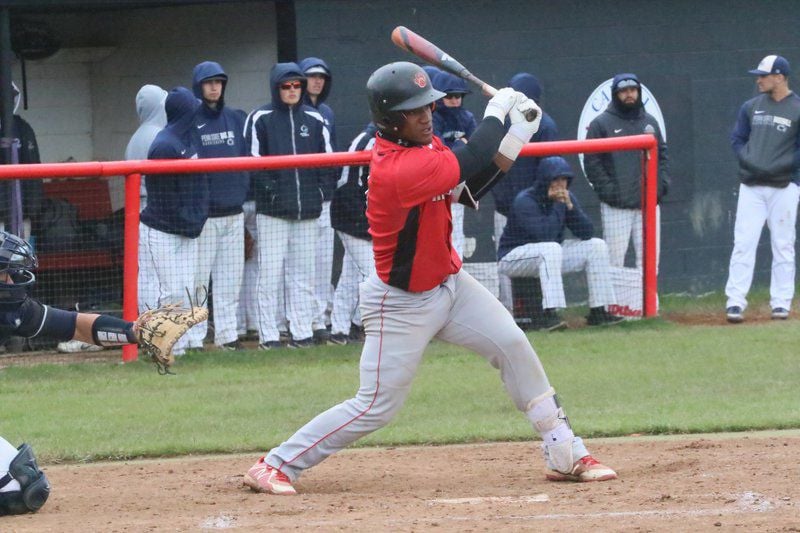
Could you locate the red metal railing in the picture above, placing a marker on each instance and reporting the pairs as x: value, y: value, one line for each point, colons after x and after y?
x: 134, y: 169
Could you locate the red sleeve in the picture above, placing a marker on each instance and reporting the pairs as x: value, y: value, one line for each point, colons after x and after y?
x: 427, y: 172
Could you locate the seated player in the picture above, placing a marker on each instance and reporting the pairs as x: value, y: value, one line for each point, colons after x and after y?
x: 533, y: 244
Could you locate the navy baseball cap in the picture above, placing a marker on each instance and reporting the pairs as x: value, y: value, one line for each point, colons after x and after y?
x: 772, y: 64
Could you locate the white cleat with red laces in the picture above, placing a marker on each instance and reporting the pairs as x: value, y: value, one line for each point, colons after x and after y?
x: 586, y: 469
x: 263, y: 478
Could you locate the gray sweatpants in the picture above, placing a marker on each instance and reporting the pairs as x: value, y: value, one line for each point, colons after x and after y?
x: 399, y: 325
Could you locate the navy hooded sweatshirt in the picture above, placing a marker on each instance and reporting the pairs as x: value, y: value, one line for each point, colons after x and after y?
x: 536, y: 218
x: 524, y: 172
x: 277, y: 129
x: 451, y: 124
x: 220, y: 131
x: 177, y: 203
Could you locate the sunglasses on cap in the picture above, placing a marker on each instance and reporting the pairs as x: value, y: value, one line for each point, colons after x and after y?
x: 291, y: 85
x: 624, y: 84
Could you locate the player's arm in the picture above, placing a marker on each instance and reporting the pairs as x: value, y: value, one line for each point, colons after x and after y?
x: 491, y: 150
x: 36, y: 320
x: 741, y: 131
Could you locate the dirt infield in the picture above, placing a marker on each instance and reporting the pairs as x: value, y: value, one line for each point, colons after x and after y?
x: 747, y: 481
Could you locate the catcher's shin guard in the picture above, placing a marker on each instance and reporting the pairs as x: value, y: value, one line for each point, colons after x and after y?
x: 548, y: 418
x: 34, y: 487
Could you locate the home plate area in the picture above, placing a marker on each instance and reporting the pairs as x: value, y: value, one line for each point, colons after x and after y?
x: 736, y: 481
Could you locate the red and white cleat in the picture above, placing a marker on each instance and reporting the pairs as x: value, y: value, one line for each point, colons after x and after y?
x: 263, y: 478
x: 586, y: 469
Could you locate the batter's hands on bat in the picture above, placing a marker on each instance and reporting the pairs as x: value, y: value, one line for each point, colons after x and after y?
x: 501, y: 103
x: 517, y: 116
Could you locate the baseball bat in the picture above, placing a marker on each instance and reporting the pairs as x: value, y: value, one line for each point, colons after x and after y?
x: 432, y: 54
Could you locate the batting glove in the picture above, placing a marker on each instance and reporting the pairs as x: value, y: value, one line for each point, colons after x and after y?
x: 500, y: 104
x: 520, y: 131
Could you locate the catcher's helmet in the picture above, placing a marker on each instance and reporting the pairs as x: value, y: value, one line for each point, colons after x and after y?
x: 398, y: 87
x: 17, y: 261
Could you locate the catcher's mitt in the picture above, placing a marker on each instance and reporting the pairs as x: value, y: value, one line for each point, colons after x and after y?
x: 159, y: 329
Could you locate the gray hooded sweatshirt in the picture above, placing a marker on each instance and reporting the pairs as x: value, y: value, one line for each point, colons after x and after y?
x: 152, y: 119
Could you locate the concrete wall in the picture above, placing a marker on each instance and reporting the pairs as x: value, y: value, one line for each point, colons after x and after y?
x: 82, y: 98
x: 693, y: 56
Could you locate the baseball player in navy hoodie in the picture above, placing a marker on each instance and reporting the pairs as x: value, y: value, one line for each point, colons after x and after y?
x: 177, y: 208
x: 533, y: 244
x: 288, y: 204
x: 522, y: 175
x: 220, y: 254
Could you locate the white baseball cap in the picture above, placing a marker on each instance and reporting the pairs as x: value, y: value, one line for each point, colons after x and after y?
x: 316, y: 69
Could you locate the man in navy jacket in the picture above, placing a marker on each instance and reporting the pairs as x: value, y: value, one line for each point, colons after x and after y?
x: 177, y: 209
x: 288, y: 204
x: 533, y: 244
x: 221, y: 245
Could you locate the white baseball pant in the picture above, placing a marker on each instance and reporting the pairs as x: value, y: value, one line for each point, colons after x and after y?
x: 247, y: 316
x: 549, y: 260
x: 622, y: 225
x: 505, y: 291
x: 323, y: 289
x: 457, y: 214
x: 399, y: 326
x: 778, y: 208
x: 295, y: 242
x: 357, y: 264
x: 220, y: 258
x: 147, y: 281
x: 172, y: 258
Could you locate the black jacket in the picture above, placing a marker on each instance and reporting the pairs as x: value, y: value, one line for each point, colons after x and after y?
x: 277, y: 129
x: 32, y: 193
x: 349, y: 205
x: 617, y: 176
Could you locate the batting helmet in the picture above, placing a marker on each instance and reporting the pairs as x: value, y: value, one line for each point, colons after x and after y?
x: 17, y: 262
x: 395, y: 88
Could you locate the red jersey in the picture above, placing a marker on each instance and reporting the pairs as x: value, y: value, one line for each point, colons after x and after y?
x: 408, y: 209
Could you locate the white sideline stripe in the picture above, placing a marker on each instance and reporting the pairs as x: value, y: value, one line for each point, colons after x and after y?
x: 493, y: 499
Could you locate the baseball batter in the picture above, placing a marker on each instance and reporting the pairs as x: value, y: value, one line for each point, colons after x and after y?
x: 419, y: 291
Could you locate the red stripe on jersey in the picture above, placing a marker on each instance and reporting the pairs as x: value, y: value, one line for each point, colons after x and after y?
x: 408, y: 209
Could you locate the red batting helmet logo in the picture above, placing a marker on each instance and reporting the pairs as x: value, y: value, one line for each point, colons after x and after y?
x: 419, y: 79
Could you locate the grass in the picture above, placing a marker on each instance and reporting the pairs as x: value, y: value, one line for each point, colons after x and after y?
x: 650, y: 377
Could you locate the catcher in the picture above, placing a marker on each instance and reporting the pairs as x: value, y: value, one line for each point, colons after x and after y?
x: 23, y: 486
